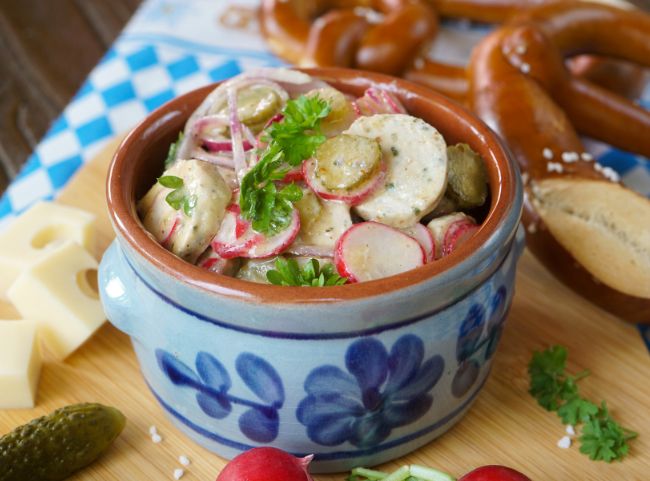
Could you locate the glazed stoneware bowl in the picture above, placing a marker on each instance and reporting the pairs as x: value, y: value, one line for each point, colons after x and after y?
x: 357, y: 374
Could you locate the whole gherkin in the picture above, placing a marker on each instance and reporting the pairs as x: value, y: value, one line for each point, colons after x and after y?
x: 53, y: 447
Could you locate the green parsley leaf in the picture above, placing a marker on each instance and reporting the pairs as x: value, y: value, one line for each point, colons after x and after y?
x: 176, y: 198
x: 603, y: 439
x: 548, y: 382
x: 290, y: 141
x: 576, y: 410
x: 287, y: 272
x: 189, y: 203
x: 173, y: 148
x: 170, y: 181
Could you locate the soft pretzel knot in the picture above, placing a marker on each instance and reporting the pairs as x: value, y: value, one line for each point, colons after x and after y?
x: 589, y: 230
x: 380, y: 35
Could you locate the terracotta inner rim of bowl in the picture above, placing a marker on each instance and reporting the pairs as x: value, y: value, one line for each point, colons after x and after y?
x: 139, y: 160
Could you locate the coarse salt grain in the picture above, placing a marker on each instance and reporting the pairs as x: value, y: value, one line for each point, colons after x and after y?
x: 156, y: 438
x: 554, y: 167
x: 570, y: 157
x: 564, y: 442
x: 570, y: 430
x: 178, y: 473
x: 532, y: 228
x: 586, y: 156
x: 525, y: 67
x: 521, y: 49
x: 547, y: 153
x: 608, y: 172
x: 153, y: 430
x: 184, y: 460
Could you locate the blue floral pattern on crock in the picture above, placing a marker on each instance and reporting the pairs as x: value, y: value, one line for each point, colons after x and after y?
x: 381, y: 392
x: 211, y: 381
x: 473, y: 336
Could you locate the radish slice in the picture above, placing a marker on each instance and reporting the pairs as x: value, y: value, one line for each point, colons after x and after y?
x: 294, y: 175
x: 236, y: 237
x: 450, y: 231
x: 424, y: 236
x: 232, y: 240
x: 212, y: 262
x: 353, y: 196
x: 274, y: 245
x: 378, y: 101
x: 371, y: 250
x: 456, y: 235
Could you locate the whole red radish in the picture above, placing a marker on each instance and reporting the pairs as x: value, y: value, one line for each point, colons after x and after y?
x: 266, y: 464
x: 494, y: 473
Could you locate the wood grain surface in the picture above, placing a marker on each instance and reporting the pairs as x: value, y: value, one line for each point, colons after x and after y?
x: 47, y: 48
x: 505, y: 425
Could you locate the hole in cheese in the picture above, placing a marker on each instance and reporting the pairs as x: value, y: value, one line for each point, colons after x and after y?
x: 87, y: 282
x: 51, y: 235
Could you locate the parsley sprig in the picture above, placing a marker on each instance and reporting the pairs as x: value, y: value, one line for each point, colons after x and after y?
x: 602, y: 438
x: 173, y: 148
x: 290, y: 141
x: 178, y: 198
x: 287, y: 272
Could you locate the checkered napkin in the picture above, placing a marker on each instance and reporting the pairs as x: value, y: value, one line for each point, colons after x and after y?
x: 173, y: 46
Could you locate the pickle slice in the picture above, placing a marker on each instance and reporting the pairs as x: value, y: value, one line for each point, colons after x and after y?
x: 345, y: 161
x: 467, y: 179
x: 341, y: 114
x: 53, y: 447
x: 255, y: 106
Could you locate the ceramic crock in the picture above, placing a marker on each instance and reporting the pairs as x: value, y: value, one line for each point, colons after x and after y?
x: 357, y: 374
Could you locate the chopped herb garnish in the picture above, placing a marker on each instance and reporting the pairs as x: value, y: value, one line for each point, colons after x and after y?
x: 602, y: 438
x: 173, y: 148
x: 287, y: 272
x: 290, y: 141
x: 178, y: 198
x: 170, y: 181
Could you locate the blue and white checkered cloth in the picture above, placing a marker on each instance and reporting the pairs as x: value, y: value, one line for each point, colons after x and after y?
x: 171, y: 47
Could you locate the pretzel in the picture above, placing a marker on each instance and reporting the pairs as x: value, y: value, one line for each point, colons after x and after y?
x: 337, y: 33
x: 592, y: 233
x: 622, y: 78
x: 342, y: 36
x: 618, y: 76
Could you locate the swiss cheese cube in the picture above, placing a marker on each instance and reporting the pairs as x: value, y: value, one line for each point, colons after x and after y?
x: 38, y: 230
x: 59, y: 292
x: 20, y: 364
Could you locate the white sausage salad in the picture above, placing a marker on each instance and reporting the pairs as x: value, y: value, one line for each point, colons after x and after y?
x: 280, y: 178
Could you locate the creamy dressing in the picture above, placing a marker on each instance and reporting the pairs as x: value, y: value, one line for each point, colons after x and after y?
x: 394, y: 179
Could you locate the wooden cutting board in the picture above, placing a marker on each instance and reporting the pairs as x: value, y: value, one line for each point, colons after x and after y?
x: 505, y: 426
